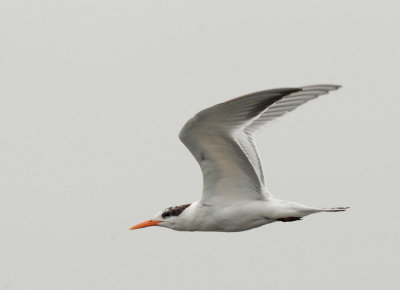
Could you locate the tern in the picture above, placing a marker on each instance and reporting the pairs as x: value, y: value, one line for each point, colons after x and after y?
x: 221, y: 139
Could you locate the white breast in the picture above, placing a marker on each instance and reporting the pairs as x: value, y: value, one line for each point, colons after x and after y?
x: 238, y: 217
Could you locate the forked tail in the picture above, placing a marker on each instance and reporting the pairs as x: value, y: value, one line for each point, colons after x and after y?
x: 334, y: 209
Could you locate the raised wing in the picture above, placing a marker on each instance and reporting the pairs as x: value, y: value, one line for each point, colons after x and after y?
x: 221, y: 140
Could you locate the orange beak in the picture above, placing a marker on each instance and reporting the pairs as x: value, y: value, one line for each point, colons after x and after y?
x: 145, y: 224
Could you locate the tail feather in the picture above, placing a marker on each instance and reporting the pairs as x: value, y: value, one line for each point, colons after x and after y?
x: 334, y: 209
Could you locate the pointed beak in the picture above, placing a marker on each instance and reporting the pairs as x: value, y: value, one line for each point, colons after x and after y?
x: 145, y: 224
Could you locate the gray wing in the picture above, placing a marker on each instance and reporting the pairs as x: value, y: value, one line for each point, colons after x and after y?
x: 221, y: 140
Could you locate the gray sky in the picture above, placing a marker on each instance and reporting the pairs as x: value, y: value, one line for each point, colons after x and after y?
x: 94, y: 93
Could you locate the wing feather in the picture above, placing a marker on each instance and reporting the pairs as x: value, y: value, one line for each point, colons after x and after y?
x: 221, y: 140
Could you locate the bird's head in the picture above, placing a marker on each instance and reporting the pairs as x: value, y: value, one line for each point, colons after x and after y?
x: 165, y: 218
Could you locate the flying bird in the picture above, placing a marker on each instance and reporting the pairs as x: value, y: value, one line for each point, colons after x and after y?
x: 221, y: 139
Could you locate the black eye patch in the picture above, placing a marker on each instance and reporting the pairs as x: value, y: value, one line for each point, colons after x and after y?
x: 174, y: 211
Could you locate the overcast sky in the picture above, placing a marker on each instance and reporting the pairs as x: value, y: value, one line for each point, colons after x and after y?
x: 94, y: 93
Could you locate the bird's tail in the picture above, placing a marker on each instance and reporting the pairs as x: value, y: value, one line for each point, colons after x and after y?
x: 334, y: 209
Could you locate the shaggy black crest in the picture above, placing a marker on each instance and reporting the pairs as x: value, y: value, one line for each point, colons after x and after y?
x: 174, y: 210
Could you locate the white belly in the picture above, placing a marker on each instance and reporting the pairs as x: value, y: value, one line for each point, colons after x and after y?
x: 234, y: 218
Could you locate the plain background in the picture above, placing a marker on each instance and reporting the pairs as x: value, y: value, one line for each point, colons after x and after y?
x: 94, y: 93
